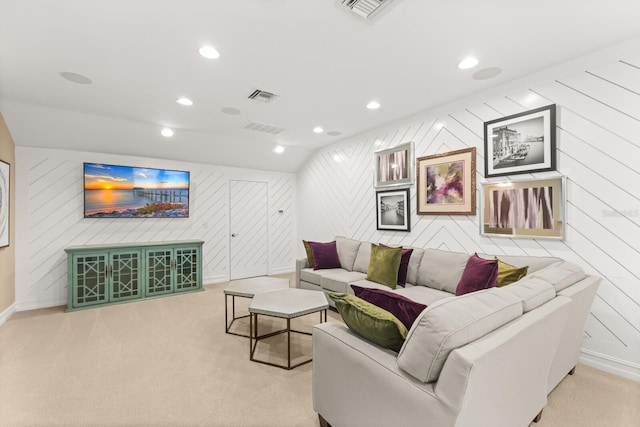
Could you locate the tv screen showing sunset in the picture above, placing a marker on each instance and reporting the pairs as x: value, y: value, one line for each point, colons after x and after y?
x: 112, y: 191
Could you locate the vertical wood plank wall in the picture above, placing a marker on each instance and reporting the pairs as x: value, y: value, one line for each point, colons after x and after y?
x: 49, y: 212
x: 598, y: 150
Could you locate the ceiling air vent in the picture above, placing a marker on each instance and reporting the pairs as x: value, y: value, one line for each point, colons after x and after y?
x: 262, y: 96
x: 365, y: 8
x: 261, y: 127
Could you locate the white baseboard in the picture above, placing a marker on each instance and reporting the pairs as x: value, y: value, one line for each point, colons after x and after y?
x: 34, y: 305
x: 7, y: 313
x: 282, y: 270
x: 610, y: 364
x: 215, y: 279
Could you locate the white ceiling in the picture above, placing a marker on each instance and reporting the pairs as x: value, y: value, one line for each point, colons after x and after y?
x: 326, y: 64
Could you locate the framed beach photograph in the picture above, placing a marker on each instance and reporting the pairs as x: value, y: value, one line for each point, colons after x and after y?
x: 393, y: 166
x: 392, y: 210
x: 446, y: 183
x: 531, y: 208
x: 521, y: 143
x: 5, y: 170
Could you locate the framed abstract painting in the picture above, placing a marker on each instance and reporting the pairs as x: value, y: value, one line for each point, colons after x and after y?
x: 531, y: 208
x: 446, y: 183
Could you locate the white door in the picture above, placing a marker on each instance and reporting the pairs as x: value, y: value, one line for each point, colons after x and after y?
x: 249, y: 229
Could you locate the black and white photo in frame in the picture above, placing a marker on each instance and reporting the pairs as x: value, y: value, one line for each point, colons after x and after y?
x: 392, y: 210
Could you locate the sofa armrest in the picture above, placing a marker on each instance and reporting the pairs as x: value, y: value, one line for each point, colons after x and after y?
x: 300, y: 264
x: 357, y: 383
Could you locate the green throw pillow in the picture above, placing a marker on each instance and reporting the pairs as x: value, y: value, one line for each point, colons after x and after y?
x: 307, y: 249
x: 370, y: 321
x: 384, y: 264
x: 507, y: 273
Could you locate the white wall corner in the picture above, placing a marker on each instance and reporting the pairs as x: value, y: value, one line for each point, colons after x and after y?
x: 610, y: 364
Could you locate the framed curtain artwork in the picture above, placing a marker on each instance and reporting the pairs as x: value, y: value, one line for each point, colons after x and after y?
x: 446, y: 183
x: 5, y: 169
x: 393, y: 166
x: 531, y: 208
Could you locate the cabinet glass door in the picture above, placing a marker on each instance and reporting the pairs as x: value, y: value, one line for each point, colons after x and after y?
x: 158, y: 278
x: 90, y: 272
x: 124, y: 274
x: 187, y: 270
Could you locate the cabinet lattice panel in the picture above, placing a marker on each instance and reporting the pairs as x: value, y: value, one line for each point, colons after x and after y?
x: 110, y: 274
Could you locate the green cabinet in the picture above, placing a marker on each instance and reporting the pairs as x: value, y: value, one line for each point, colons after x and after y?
x: 108, y: 274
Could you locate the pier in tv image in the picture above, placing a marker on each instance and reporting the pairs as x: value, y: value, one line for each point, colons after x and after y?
x: 112, y: 191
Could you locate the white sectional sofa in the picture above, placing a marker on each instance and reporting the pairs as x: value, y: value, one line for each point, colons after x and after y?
x: 497, y: 353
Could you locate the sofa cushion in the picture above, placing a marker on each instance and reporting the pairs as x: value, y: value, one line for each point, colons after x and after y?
x: 452, y: 323
x: 347, y: 251
x: 478, y: 274
x: 404, y: 264
x: 507, y: 273
x: 533, y: 292
x: 362, y: 259
x: 315, y: 276
x: 441, y: 269
x: 325, y: 255
x: 402, y: 307
x: 383, y: 265
x: 561, y: 274
x: 414, y: 264
x: 423, y: 294
x: 370, y: 322
x: 535, y: 263
x: 339, y: 282
x: 307, y: 250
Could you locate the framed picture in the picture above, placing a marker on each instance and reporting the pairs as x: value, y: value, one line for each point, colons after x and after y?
x: 521, y: 143
x: 5, y: 169
x: 392, y: 210
x: 446, y: 183
x: 531, y: 208
x: 394, y: 166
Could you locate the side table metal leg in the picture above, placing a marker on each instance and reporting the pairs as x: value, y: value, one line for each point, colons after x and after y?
x: 289, y: 343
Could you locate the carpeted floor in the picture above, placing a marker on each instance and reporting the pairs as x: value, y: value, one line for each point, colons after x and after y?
x: 168, y: 362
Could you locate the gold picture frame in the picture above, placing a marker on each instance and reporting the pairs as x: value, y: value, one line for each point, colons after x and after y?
x: 446, y: 183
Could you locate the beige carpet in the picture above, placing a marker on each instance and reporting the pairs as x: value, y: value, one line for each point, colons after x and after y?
x: 168, y: 362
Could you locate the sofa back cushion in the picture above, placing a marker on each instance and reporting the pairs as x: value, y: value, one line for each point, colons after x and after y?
x: 561, y: 274
x: 441, y: 269
x: 533, y: 292
x: 534, y: 263
x: 414, y: 264
x: 362, y: 259
x: 452, y: 323
x: 347, y: 251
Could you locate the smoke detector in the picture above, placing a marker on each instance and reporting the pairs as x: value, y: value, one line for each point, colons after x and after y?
x: 365, y: 8
x: 262, y: 96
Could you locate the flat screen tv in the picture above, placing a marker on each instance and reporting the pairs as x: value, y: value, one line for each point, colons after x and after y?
x: 112, y: 191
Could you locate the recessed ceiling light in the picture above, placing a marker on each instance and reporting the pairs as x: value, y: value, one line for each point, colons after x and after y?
x: 279, y: 149
x: 467, y: 63
x: 166, y: 132
x: 75, y: 78
x: 373, y: 105
x: 209, y: 52
x: 318, y: 129
x: 184, y: 101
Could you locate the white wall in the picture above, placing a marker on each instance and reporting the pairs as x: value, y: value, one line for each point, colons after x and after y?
x: 598, y: 150
x: 49, y: 217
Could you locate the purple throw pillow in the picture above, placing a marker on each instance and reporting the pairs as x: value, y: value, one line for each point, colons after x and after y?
x: 404, y: 265
x: 477, y: 275
x: 325, y: 255
x: 403, y: 308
